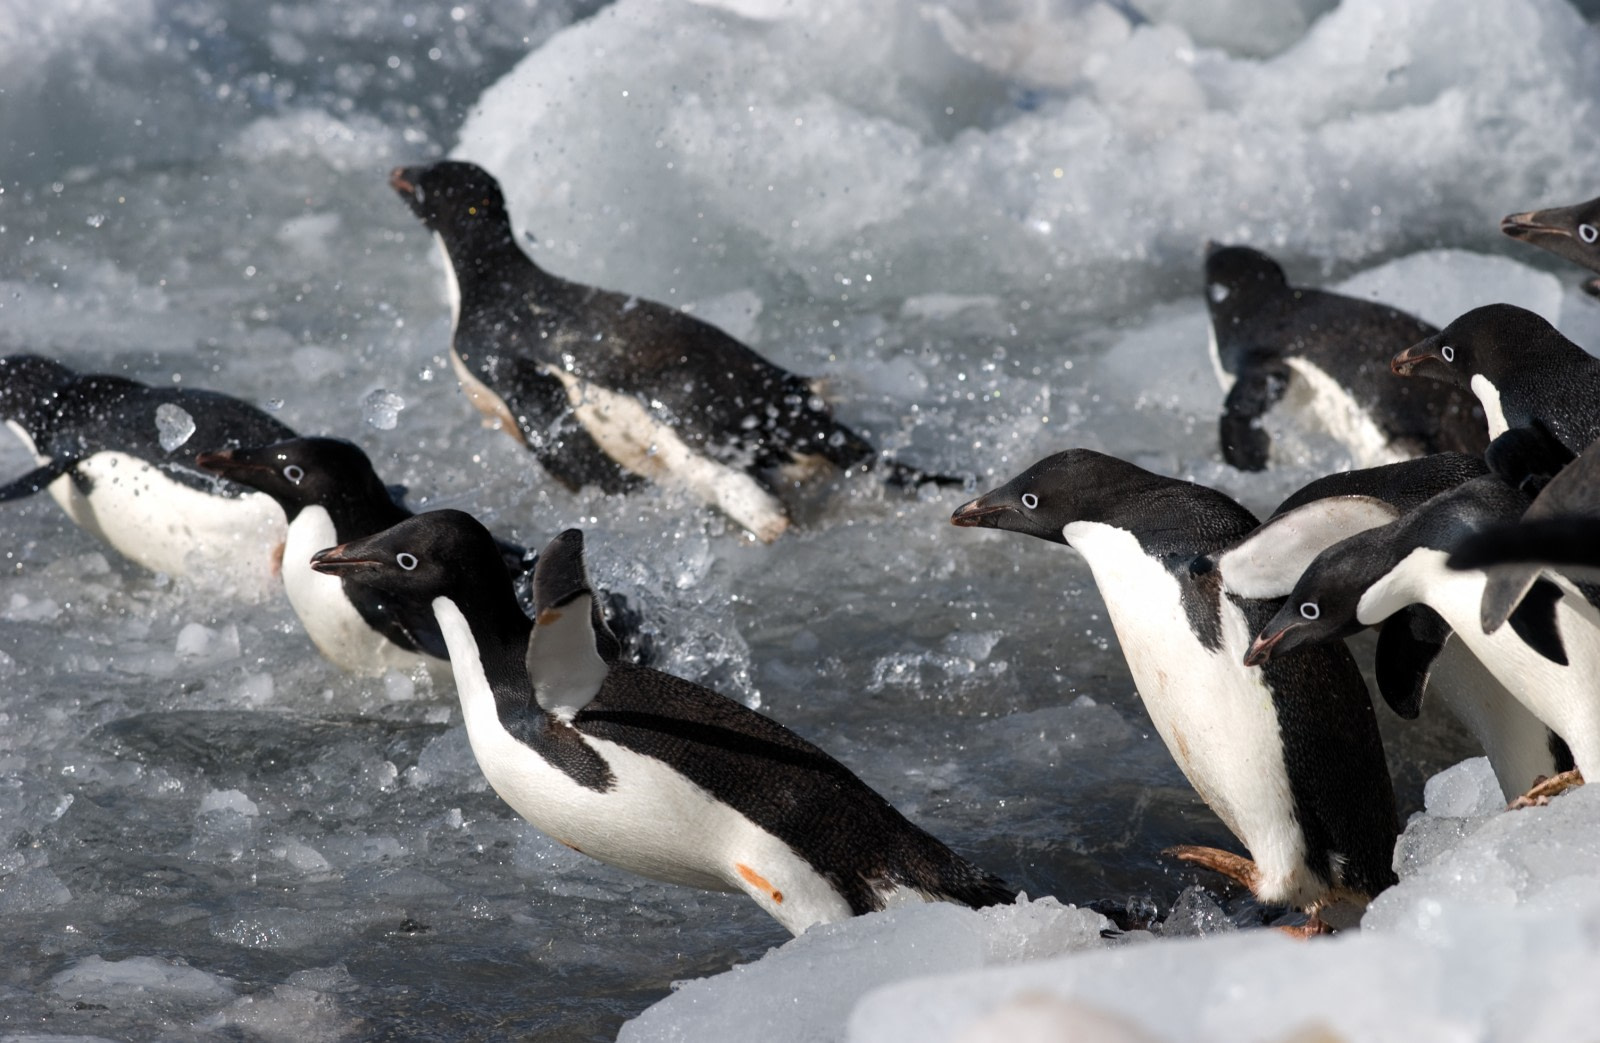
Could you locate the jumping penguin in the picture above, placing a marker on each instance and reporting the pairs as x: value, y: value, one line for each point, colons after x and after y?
x: 1326, y: 353
x: 640, y: 769
x: 607, y: 388
x: 1290, y: 759
x: 117, y: 456
x: 1547, y: 658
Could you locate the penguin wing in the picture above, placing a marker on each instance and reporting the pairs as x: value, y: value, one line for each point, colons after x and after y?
x: 35, y: 480
x: 1515, y: 555
x: 539, y: 404
x: 1535, y: 621
x: 1408, y: 643
x: 1268, y: 562
x: 1261, y: 382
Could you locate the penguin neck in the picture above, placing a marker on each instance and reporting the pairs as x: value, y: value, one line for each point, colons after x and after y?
x: 1418, y: 574
x: 487, y: 255
x: 487, y: 637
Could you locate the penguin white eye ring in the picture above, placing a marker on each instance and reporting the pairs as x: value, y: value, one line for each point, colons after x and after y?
x: 1030, y: 501
x: 406, y: 560
x: 1588, y: 233
x: 1447, y: 353
x: 294, y: 472
x: 1310, y: 610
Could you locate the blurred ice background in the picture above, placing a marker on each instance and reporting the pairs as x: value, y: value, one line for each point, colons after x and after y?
x: 982, y: 222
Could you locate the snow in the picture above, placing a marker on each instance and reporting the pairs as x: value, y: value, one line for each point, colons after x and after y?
x: 980, y: 224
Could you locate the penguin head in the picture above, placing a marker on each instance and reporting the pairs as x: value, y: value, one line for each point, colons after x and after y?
x: 453, y: 197
x: 437, y: 554
x: 1238, y: 279
x: 1490, y: 341
x: 299, y: 472
x: 1075, y: 485
x: 1321, y: 607
x: 1572, y: 232
x: 29, y: 384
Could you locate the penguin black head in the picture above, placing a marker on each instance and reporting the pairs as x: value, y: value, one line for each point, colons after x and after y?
x: 1490, y: 341
x: 437, y: 554
x: 28, y: 384
x: 1572, y: 232
x: 299, y: 472
x: 453, y: 197
x: 1321, y: 607
x: 1040, y: 501
x: 1238, y: 278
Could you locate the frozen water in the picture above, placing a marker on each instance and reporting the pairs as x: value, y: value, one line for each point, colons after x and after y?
x: 980, y: 223
x: 382, y: 409
x: 174, y: 425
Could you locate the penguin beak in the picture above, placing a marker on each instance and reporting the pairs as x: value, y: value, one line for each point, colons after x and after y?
x: 342, y: 560
x: 400, y: 181
x: 1530, y: 224
x: 1263, y: 647
x: 1405, y: 363
x: 226, y: 464
x: 980, y: 513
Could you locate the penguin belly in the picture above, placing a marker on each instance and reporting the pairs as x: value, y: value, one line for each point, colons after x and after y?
x: 1339, y: 414
x: 166, y: 526
x: 1516, y: 742
x: 1563, y: 697
x: 330, y: 620
x: 1216, y: 716
x: 639, y: 442
x: 651, y: 821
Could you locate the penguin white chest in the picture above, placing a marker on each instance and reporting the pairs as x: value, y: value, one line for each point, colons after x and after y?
x: 1216, y: 716
x: 333, y: 624
x: 651, y: 819
x: 1340, y: 415
x: 640, y: 442
x: 1489, y: 397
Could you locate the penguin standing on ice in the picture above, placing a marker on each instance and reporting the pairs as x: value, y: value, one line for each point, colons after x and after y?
x: 607, y: 388
x: 330, y: 494
x: 117, y: 455
x: 641, y: 769
x: 1416, y: 651
x: 1548, y: 657
x: 1523, y: 371
x: 1326, y: 353
x: 1572, y: 232
x: 1290, y: 760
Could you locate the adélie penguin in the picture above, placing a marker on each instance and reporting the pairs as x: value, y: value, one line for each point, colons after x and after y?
x: 331, y: 494
x: 607, y: 388
x: 1416, y: 651
x: 118, y: 457
x: 640, y: 769
x: 1548, y: 657
x: 1325, y: 354
x: 1523, y: 371
x: 1290, y: 758
x: 1572, y: 232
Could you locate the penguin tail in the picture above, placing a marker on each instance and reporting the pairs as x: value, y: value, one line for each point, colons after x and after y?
x: 954, y: 879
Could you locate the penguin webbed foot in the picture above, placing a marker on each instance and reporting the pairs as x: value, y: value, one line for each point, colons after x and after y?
x: 1540, y: 793
x: 1237, y: 868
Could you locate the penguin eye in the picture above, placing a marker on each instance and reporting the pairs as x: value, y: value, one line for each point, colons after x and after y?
x: 294, y: 472
x: 1309, y: 610
x: 1588, y: 233
x: 1030, y: 501
x: 406, y: 560
x: 1447, y: 353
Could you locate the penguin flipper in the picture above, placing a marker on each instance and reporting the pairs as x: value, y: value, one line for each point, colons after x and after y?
x: 1515, y: 554
x: 571, y: 650
x: 35, y: 480
x: 1258, y: 388
x: 566, y: 451
x: 1408, y: 643
x: 1535, y: 621
x: 1527, y: 457
x: 1268, y: 562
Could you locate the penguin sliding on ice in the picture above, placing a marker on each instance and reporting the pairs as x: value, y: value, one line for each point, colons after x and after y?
x: 1572, y: 232
x: 1416, y: 651
x: 638, y: 768
x: 1548, y: 657
x: 1289, y: 759
x: 1326, y: 354
x: 331, y: 494
x: 117, y: 455
x: 606, y: 388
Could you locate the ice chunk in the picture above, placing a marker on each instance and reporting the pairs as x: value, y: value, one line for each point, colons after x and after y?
x: 96, y: 979
x: 174, y: 425
x: 228, y: 800
x: 196, y: 641
x: 1465, y: 790
x: 382, y: 409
